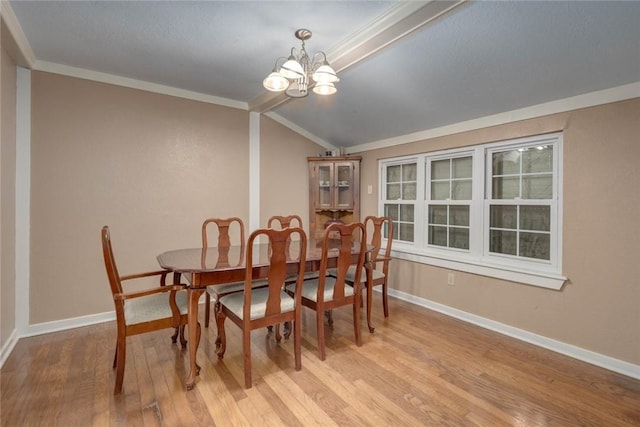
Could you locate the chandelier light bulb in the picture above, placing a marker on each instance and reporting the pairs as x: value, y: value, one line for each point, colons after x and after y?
x: 324, y: 89
x: 275, y: 82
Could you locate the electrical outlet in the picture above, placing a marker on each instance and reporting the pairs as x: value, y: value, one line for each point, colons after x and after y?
x: 369, y: 189
x: 450, y: 279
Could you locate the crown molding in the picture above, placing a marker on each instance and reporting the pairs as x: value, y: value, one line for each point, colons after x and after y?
x: 97, y: 76
x: 24, y: 54
x: 591, y: 99
x: 303, y: 132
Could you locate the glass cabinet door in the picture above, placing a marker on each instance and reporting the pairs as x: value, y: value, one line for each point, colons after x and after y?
x: 344, y: 185
x: 325, y: 186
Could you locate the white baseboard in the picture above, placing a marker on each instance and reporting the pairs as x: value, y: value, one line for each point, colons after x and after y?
x: 8, y: 346
x: 610, y: 363
x: 62, y: 325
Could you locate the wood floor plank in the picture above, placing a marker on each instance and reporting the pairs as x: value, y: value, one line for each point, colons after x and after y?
x: 418, y: 368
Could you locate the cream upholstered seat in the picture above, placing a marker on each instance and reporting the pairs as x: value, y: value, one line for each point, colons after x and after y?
x: 255, y: 308
x: 152, y: 307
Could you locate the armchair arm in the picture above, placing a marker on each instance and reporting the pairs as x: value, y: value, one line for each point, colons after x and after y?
x: 162, y: 273
x: 136, y: 294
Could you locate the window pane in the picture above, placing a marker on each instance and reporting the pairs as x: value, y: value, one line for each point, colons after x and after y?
x: 440, y: 190
x: 502, y: 216
x: 535, y: 218
x: 535, y: 245
x: 503, y: 242
x: 462, y: 167
x: 406, y: 213
x: 506, y: 188
x: 391, y: 211
x: 537, y: 187
x: 459, y: 238
x: 393, y: 191
x: 506, y: 162
x: 405, y: 232
x: 409, y: 191
x: 537, y: 159
x: 437, y: 236
x: 461, y: 190
x: 393, y: 173
x: 410, y: 172
x: 440, y: 169
x: 437, y: 215
x: 459, y: 215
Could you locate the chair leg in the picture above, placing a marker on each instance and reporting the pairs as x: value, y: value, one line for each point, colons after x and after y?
x: 121, y: 353
x: 297, y: 346
x: 278, y: 336
x: 246, y: 350
x: 385, y: 300
x: 207, y: 310
x: 183, y: 340
x: 320, y: 333
x: 329, y: 317
x: 356, y: 322
x: 287, y: 330
x: 174, y: 337
x: 216, y: 313
x: 221, y: 341
x: 115, y: 355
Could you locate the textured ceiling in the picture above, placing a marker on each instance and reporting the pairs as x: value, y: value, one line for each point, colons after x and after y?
x: 479, y: 59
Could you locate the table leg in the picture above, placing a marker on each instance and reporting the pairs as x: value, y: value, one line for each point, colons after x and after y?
x: 369, y: 297
x: 194, y: 335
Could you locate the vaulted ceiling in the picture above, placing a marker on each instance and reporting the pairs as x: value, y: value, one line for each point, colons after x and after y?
x: 405, y: 67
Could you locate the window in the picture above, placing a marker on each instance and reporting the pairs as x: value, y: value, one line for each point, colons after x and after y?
x: 491, y: 209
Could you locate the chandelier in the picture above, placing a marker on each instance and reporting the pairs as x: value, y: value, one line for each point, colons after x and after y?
x: 296, y: 72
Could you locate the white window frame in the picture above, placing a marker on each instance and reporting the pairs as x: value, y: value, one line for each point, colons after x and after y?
x: 478, y: 259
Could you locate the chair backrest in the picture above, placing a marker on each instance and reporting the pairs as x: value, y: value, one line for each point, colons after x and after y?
x: 344, y: 235
x: 378, y: 224
x: 110, y: 262
x: 223, y: 227
x: 285, y: 221
x: 279, y: 255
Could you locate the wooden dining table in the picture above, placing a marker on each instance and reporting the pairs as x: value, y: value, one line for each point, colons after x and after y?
x: 213, y: 266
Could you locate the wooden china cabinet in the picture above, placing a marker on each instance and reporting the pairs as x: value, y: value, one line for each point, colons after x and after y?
x: 334, y: 191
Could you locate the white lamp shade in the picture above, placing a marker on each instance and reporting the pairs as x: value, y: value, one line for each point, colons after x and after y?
x: 292, y: 69
x: 324, y: 89
x: 275, y: 82
x: 325, y: 74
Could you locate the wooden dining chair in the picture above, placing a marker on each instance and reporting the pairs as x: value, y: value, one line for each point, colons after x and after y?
x: 379, y: 226
x: 329, y: 292
x: 223, y: 229
x: 146, y: 310
x: 260, y: 307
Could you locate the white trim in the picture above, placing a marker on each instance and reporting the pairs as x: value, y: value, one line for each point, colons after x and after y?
x: 72, y: 323
x: 97, y: 76
x: 605, y: 96
x: 14, y: 27
x: 254, y: 171
x: 536, y: 278
x: 601, y: 360
x: 23, y: 198
x: 8, y: 347
x: 294, y: 127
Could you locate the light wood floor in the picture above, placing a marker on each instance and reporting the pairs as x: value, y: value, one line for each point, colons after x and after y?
x: 419, y: 368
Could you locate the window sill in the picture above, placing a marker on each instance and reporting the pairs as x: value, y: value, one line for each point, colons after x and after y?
x: 541, y: 279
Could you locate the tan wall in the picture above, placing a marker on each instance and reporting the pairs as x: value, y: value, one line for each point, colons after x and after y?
x: 284, y: 172
x: 150, y: 166
x: 8, y: 188
x: 598, y: 308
